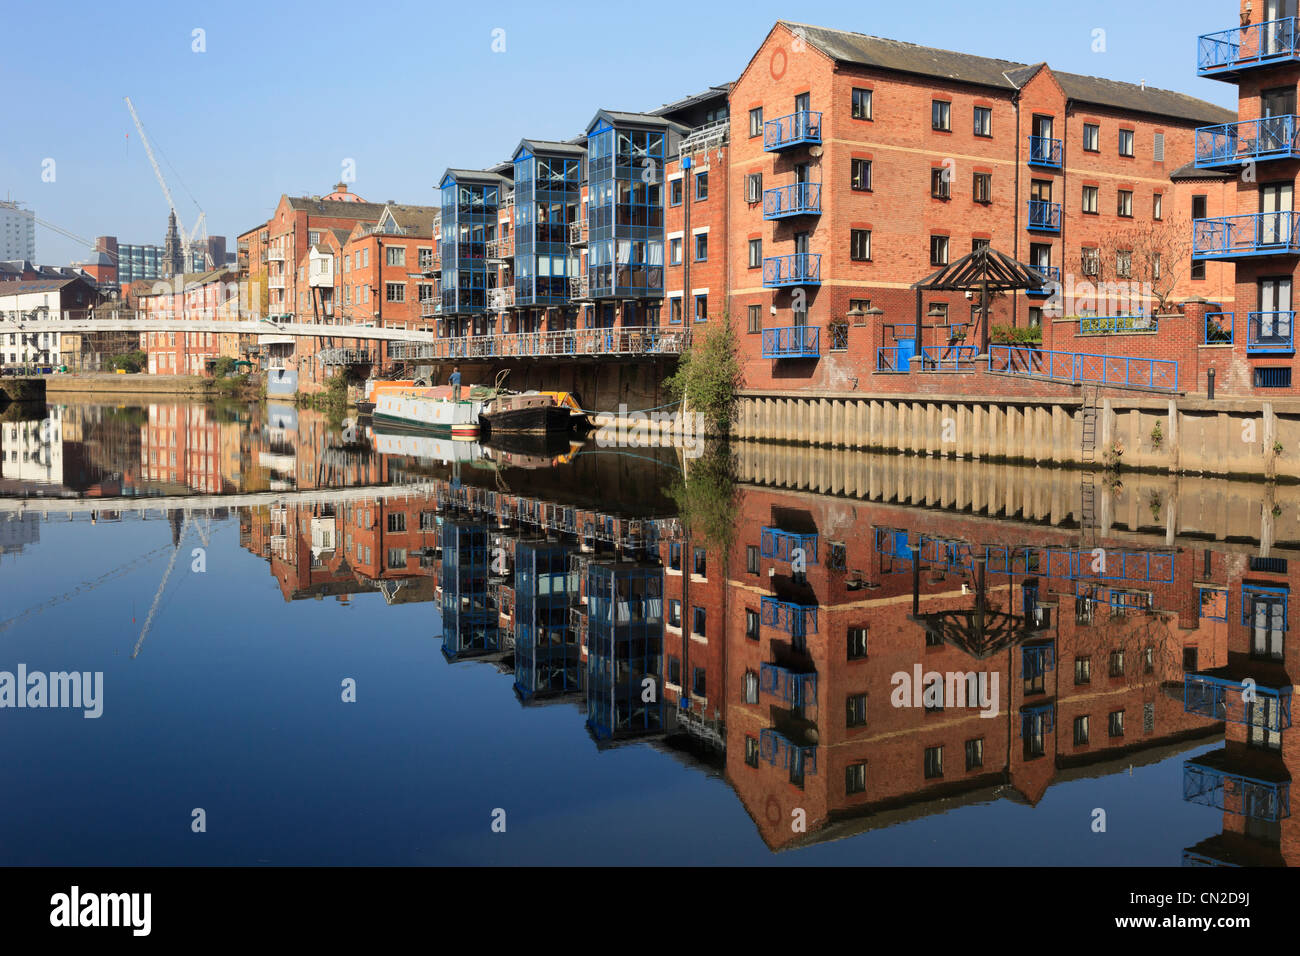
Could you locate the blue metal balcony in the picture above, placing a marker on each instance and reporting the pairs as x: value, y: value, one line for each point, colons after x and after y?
x: 1053, y: 274
x: 1272, y: 137
x: 798, y: 268
x: 1220, y: 698
x: 1270, y: 333
x: 1045, y: 151
x: 795, y: 341
x: 781, y: 751
x: 797, y: 690
x: 1044, y: 216
x: 798, y: 129
x: 1209, y: 784
x: 781, y: 545
x: 1220, y: 328
x: 796, y: 620
x: 797, y: 199
x: 1251, y: 234
x: 1228, y: 53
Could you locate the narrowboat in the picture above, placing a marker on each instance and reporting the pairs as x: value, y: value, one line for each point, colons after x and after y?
x: 531, y: 413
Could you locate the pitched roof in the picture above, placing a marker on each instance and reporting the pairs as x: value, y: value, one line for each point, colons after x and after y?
x: 414, y: 219
x: 1192, y: 171
x: 896, y: 55
x: 335, y: 209
x: 475, y: 176
x: 553, y: 146
x: 25, y: 286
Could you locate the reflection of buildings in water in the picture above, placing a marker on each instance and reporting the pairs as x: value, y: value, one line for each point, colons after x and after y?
x: 32, y: 451
x: 17, y: 532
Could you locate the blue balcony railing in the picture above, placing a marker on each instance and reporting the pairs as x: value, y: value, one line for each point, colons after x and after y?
x: 797, y: 199
x: 948, y: 358
x: 1251, y: 234
x: 781, y: 751
x: 798, y: 690
x: 1116, y: 324
x: 1053, y: 274
x: 1044, y: 216
x: 1228, y: 52
x: 796, y: 620
x: 796, y: 341
x: 1235, y: 793
x: 1272, y: 137
x: 1219, y: 698
x: 782, y: 545
x: 797, y: 129
x: 1080, y: 367
x: 1270, y: 332
x: 894, y: 358
x: 798, y: 268
x: 1220, y: 328
x: 1045, y: 151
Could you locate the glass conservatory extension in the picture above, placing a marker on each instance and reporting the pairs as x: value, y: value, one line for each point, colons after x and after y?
x: 625, y: 257
x: 469, y: 221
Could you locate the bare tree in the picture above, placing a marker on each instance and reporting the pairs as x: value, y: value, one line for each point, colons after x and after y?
x: 1151, y: 257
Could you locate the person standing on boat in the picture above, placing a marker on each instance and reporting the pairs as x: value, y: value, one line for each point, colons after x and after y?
x: 455, y: 384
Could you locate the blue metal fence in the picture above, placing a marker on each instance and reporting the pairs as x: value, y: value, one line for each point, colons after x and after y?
x: 796, y: 129
x: 781, y: 545
x: 1271, y: 137
x: 1235, y: 792
x: 797, y: 199
x: 1220, y: 698
x: 1044, y: 216
x: 780, y: 751
x: 1220, y: 328
x: 798, y: 268
x: 1270, y: 332
x: 1114, y: 370
x: 948, y: 358
x: 1045, y: 151
x: 1249, y: 234
x: 796, y: 620
x: 1053, y: 274
x: 796, y: 341
x: 1253, y: 45
x: 797, y: 689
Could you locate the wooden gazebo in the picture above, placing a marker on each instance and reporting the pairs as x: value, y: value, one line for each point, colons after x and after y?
x: 981, y: 272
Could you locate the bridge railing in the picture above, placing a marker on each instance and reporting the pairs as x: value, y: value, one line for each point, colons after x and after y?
x: 1085, y: 367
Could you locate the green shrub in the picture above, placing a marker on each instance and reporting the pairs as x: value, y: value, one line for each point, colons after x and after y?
x: 708, y: 376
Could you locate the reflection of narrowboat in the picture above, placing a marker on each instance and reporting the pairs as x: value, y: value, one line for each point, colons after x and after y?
x: 417, y: 445
x: 534, y: 413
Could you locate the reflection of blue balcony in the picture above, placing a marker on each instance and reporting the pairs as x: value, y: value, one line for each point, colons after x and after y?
x: 1053, y: 274
x: 1220, y: 698
x: 1228, y: 53
x: 1270, y: 332
x: 797, y: 199
x: 796, y: 620
x: 1044, y: 216
x: 797, y: 690
x: 797, y: 129
x: 796, y: 341
x: 1250, y: 234
x: 1037, y: 720
x: 781, y: 545
x: 1271, y: 137
x: 1207, y: 781
x: 1037, y: 660
x: 781, y: 751
x: 1044, y: 151
x: 798, y: 268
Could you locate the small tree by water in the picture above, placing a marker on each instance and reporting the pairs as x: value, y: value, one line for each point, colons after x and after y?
x: 708, y: 376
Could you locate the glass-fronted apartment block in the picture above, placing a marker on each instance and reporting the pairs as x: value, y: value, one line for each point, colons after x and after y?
x: 548, y: 196
x: 625, y: 638
x: 625, y: 212
x: 470, y: 201
x: 138, y: 262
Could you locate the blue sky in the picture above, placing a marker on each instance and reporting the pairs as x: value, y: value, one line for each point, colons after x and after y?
x: 286, y: 92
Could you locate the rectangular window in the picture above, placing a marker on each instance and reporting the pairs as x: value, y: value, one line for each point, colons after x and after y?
x: 861, y: 175
x: 394, y: 291
x: 1091, y: 195
x: 754, y: 187
x: 983, y: 121
x: 1091, y: 138
x: 756, y: 122
x: 674, y: 613
x: 702, y: 186
x: 857, y: 643
x: 855, y: 779
x: 675, y: 252
x: 425, y: 258
x: 396, y: 255
x: 701, y: 308
x: 1126, y: 142
x: 702, y: 247
x: 675, y: 192
x: 938, y: 250
x: 856, y: 710
x: 754, y: 319
x: 751, y: 551
x: 975, y: 753
x: 756, y: 253
x: 982, y: 188
x: 1116, y: 663
x: 933, y: 762
x: 751, y: 687
x: 698, y: 686
x: 1115, y: 724
x: 751, y: 623
x: 1124, y: 207
x: 675, y: 557
x: 313, y: 237
x: 675, y: 311
x: 1157, y: 206
x: 751, y: 751
x: 1091, y: 261
x: 939, y: 188
x: 1083, y: 670
x: 701, y: 562
x: 396, y: 522
x: 861, y: 104
x: 1124, y: 264
x: 1273, y: 377
x: 396, y: 558
x: 860, y: 245
x: 941, y: 115
x: 1080, y: 730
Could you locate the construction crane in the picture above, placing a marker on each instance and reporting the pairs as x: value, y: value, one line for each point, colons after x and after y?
x: 187, y: 240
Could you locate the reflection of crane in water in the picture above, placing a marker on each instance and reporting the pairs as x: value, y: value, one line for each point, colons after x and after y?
x: 203, y: 526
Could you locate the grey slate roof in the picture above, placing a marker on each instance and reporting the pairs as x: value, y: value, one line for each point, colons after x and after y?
x: 475, y: 176
x: 895, y: 55
x: 552, y: 146
x: 336, y: 209
x: 1190, y: 171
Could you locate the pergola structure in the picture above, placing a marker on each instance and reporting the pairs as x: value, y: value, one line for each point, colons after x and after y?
x: 983, y: 271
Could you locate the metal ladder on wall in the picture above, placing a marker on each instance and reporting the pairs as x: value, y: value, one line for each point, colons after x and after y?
x: 1088, y: 486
